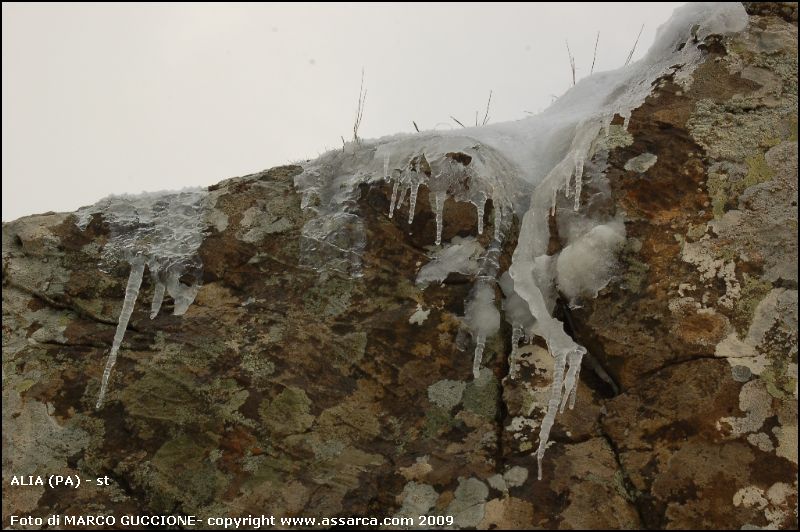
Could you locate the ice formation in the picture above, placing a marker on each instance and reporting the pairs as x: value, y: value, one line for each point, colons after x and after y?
x: 161, y: 231
x: 482, y: 319
x: 524, y: 168
x: 518, y: 315
x: 458, y: 168
x: 459, y: 256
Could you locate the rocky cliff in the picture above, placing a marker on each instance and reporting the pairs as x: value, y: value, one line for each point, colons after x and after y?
x: 281, y: 392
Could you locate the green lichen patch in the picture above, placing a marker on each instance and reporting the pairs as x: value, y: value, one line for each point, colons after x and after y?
x: 481, y: 396
x: 288, y: 413
x: 438, y: 421
x: 181, y: 474
x: 329, y: 298
x: 753, y: 291
x: 780, y: 347
x: 165, y: 394
x: 618, y: 137
x: 758, y: 171
x: 635, y: 272
x: 348, y: 350
x: 726, y: 183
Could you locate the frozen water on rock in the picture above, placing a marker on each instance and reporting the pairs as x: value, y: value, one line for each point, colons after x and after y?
x: 450, y: 167
x: 459, y: 256
x: 161, y: 231
x: 482, y: 319
x: 521, y: 167
x: 131, y: 293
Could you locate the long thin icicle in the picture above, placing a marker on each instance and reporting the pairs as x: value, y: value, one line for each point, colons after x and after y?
x: 412, y: 202
x: 402, y: 197
x: 574, y: 394
x: 498, y: 221
x: 158, y: 298
x: 131, y: 293
x: 516, y: 335
x: 578, y: 181
x: 481, y: 206
x: 552, y: 408
x: 439, y: 197
x: 570, y: 381
x: 567, y: 184
x: 480, y: 344
x: 394, y: 198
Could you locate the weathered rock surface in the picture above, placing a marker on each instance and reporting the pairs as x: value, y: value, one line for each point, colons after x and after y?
x: 284, y: 394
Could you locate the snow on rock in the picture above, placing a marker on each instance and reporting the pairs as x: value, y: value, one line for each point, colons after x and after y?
x: 585, y: 266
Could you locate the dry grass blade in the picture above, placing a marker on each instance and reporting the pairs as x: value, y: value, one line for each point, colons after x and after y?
x: 571, y: 62
x: 362, y: 96
x: 486, y: 115
x: 457, y: 121
x: 594, y: 57
x: 630, y: 55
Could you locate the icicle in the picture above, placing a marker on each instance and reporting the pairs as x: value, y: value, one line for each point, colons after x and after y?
x: 570, y: 381
x: 568, y: 183
x: 402, y: 198
x: 627, y: 121
x: 412, y: 202
x: 578, y: 181
x: 481, y: 205
x: 480, y: 314
x: 131, y: 293
x: 553, y: 204
x: 182, y: 294
x: 498, y: 220
x: 439, y: 197
x: 574, y: 394
x: 552, y: 408
x: 394, y: 198
x: 516, y: 334
x: 158, y: 298
x: 480, y: 344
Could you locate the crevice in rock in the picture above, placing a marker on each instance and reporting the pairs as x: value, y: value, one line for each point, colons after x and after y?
x: 634, y: 496
x: 68, y: 305
x: 502, y: 408
x: 676, y: 362
x: 589, y: 359
x: 78, y: 344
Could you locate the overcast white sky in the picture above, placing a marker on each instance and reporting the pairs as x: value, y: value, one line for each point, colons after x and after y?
x: 102, y: 99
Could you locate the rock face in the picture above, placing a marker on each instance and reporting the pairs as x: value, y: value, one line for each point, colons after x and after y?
x: 283, y: 393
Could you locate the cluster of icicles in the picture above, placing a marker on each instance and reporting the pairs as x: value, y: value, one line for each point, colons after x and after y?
x: 524, y: 304
x: 447, y: 176
x: 160, y: 231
